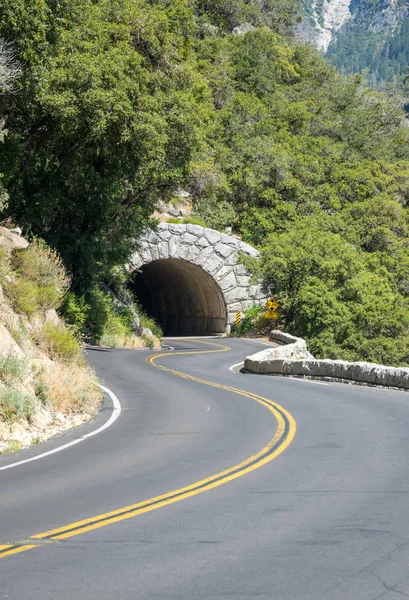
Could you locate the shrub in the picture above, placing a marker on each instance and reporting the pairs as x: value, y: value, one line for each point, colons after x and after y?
x: 42, y: 391
x: 15, y: 404
x: 115, y: 332
x: 110, y: 341
x: 100, y: 307
x: 98, y: 319
x: 217, y: 213
x: 12, y: 369
x: 254, y: 322
x: 75, y: 311
x: 148, y: 341
x: 59, y: 342
x: 38, y: 281
x: 23, y: 295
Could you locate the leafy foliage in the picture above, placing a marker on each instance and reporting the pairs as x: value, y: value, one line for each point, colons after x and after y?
x: 339, y: 297
x: 12, y: 369
x: 254, y: 323
x: 59, y: 342
x: 110, y: 108
x: 121, y: 103
x: 37, y: 279
x: 15, y: 404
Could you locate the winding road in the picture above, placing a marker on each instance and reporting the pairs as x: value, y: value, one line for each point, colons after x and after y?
x: 213, y: 485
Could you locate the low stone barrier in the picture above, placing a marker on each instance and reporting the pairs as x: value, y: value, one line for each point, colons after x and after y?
x: 295, y: 360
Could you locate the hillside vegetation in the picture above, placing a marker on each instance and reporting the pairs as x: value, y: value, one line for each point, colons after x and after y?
x: 45, y: 384
x: 122, y: 102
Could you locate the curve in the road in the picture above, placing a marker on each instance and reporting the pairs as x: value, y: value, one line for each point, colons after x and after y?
x: 280, y: 441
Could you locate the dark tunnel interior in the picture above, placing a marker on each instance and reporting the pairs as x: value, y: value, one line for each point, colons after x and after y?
x: 181, y: 297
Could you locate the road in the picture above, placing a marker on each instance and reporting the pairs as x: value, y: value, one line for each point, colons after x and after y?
x: 317, y: 514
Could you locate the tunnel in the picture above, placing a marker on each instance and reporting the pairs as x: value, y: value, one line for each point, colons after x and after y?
x: 181, y: 297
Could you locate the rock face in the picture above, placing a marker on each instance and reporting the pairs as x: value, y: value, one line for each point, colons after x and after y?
x: 293, y: 358
x: 323, y: 19
x: 218, y: 254
x: 359, y: 34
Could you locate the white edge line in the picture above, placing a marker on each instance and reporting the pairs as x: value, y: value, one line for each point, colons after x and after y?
x: 115, y: 414
x: 236, y: 365
x: 307, y: 380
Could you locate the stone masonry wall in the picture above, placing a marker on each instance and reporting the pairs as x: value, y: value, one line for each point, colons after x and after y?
x: 216, y: 253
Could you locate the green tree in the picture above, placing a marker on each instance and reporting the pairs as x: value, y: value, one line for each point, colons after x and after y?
x: 106, y: 121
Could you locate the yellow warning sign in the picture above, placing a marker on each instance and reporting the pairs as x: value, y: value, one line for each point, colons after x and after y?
x: 238, y: 318
x: 272, y: 304
x: 271, y: 314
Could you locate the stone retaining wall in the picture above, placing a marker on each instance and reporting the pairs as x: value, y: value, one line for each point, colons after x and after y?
x: 287, y: 360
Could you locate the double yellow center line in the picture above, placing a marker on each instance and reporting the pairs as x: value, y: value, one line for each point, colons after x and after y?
x: 282, y: 438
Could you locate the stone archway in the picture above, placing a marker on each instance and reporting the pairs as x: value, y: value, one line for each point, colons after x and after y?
x: 191, y: 280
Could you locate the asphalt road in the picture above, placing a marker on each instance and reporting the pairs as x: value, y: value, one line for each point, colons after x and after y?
x: 323, y: 515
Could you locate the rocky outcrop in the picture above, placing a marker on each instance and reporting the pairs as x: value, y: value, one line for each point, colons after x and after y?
x: 323, y: 19
x: 11, y: 240
x: 294, y: 359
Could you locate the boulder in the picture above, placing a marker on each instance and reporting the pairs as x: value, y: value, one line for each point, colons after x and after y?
x: 147, y: 332
x: 8, y: 345
x: 42, y: 419
x: 18, y: 433
x: 12, y: 241
x: 243, y: 29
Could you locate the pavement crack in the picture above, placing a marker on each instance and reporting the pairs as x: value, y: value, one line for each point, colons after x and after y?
x: 388, y: 588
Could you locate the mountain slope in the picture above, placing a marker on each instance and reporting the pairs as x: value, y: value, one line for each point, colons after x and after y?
x: 322, y: 20
x: 361, y: 34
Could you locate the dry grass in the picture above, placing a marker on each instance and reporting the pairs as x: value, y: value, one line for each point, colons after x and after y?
x: 72, y: 388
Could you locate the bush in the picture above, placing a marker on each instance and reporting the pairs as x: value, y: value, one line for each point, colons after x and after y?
x: 100, y: 307
x: 59, y: 342
x: 38, y: 279
x: 115, y: 332
x: 148, y: 341
x: 15, y: 404
x: 12, y: 369
x: 75, y: 311
x: 254, y: 322
x: 96, y: 317
x: 149, y: 322
x: 23, y: 295
x: 216, y: 212
x: 42, y: 392
x: 336, y: 296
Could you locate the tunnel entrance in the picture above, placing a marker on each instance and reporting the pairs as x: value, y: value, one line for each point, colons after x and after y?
x: 181, y: 297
